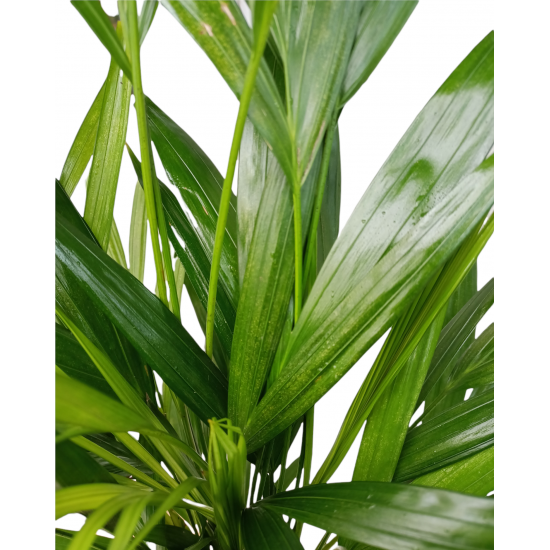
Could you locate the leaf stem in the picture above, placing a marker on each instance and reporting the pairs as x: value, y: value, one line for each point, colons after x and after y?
x: 152, y: 193
x: 246, y: 96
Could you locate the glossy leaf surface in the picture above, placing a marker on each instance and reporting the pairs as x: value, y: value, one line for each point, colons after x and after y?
x: 456, y: 433
x: 390, y: 515
x: 264, y: 530
x: 143, y: 319
x: 107, y: 157
x: 418, y: 187
x: 474, y: 475
x: 379, y: 25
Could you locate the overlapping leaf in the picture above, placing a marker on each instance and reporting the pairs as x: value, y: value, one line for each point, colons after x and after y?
x: 264, y: 530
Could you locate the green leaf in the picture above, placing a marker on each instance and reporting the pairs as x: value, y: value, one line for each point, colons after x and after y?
x: 264, y: 530
x: 186, y: 240
x: 99, y: 22
x: 411, y: 219
x: 148, y: 10
x: 138, y: 232
x: 63, y: 539
x: 388, y: 423
x: 390, y: 515
x: 329, y: 220
x: 171, y: 537
x: 379, y: 25
x: 109, y: 146
x: 222, y: 32
x: 115, y: 248
x: 455, y: 339
x: 73, y: 361
x: 314, y: 40
x: 200, y: 185
x: 79, y: 405
x: 90, y: 496
x: 456, y: 433
x: 474, y: 475
x: 74, y: 466
x: 158, y: 336
x: 267, y: 287
x: 74, y: 302
x: 82, y: 147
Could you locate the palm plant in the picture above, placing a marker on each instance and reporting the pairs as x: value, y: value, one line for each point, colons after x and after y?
x: 288, y: 302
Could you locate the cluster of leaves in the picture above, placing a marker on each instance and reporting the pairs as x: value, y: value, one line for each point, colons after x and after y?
x: 287, y: 300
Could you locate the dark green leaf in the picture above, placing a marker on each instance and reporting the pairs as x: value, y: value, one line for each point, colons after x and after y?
x: 388, y: 422
x: 145, y: 321
x: 99, y: 22
x: 455, y: 339
x: 391, y: 515
x: 222, y: 32
x: 267, y: 287
x: 411, y: 219
x: 74, y: 361
x: 264, y: 530
x: 108, y: 150
x: 474, y: 475
x: 379, y: 25
x: 456, y: 433
x: 200, y: 185
x: 74, y: 466
x: 171, y: 537
x: 82, y: 147
x: 186, y: 240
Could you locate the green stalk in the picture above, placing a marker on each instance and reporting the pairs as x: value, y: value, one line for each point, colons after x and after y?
x: 308, y: 455
x: 150, y: 184
x: 248, y: 88
x: 286, y: 445
x: 311, y: 250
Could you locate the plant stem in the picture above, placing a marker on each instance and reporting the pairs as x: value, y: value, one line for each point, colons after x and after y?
x: 308, y: 454
x: 286, y: 445
x: 246, y: 95
x: 152, y: 193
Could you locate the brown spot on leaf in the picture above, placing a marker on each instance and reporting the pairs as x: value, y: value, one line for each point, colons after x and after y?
x: 225, y: 8
x: 206, y: 28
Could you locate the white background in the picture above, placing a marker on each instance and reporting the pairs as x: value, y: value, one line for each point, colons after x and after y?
x: 47, y: 92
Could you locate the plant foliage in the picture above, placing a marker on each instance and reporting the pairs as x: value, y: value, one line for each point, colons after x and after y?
x: 289, y: 301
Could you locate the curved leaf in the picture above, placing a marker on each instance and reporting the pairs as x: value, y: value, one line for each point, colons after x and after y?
x: 474, y: 475
x: 413, y: 198
x: 264, y: 530
x: 138, y: 234
x: 379, y: 25
x: 391, y: 515
x: 457, y: 433
x: 145, y: 321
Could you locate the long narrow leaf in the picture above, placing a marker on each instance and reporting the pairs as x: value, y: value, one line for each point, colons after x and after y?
x: 264, y: 530
x: 138, y: 235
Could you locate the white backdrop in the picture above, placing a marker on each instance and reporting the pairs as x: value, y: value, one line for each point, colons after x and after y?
x: 179, y: 77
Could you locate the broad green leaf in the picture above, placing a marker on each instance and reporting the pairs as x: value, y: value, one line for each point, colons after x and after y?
x: 73, y: 361
x: 148, y: 10
x: 264, y: 530
x: 74, y: 302
x: 314, y: 40
x: 79, y: 405
x: 267, y: 287
x: 90, y: 496
x: 99, y: 22
x: 388, y: 423
x: 115, y: 248
x: 379, y: 25
x: 171, y: 537
x: 222, y: 32
x: 138, y: 233
x: 109, y: 146
x: 63, y: 538
x: 145, y: 321
x: 455, y: 339
x: 406, y: 223
x: 74, y: 466
x: 391, y: 515
x: 200, y: 185
x: 82, y: 147
x: 186, y: 240
x: 329, y: 220
x: 474, y: 475
x: 456, y: 433
x: 252, y: 175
